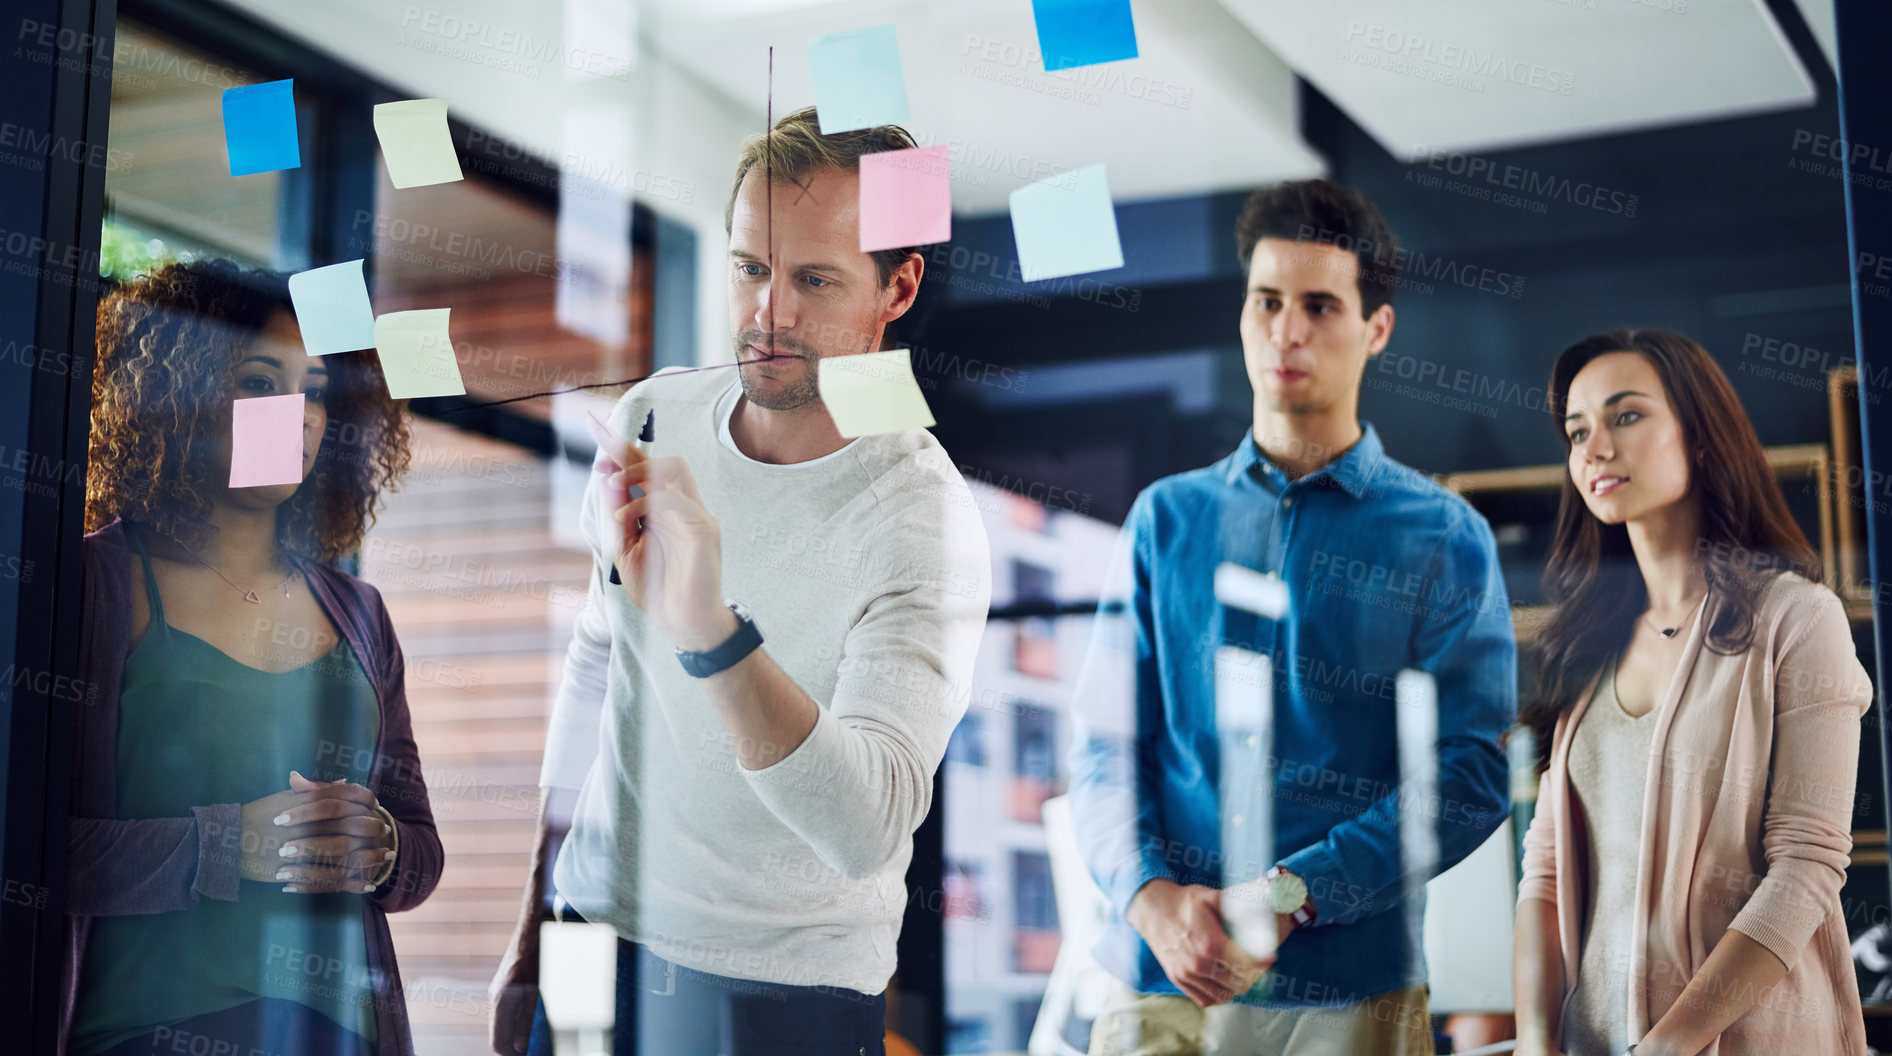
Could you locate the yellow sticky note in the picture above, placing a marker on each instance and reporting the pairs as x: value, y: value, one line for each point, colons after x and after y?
x: 417, y: 355
x: 873, y: 393
x: 415, y: 142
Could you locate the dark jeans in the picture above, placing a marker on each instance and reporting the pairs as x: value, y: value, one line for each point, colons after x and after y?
x: 267, y: 1026
x: 667, y: 1010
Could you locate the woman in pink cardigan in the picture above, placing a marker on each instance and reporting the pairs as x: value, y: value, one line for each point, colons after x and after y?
x: 1700, y: 706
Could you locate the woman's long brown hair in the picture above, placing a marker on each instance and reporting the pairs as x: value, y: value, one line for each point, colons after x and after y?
x: 1747, y: 534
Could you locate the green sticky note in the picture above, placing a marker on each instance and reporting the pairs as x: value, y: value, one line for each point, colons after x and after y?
x: 873, y: 393
x: 415, y: 142
x: 417, y: 355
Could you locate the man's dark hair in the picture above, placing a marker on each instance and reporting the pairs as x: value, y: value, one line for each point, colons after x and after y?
x: 1332, y: 215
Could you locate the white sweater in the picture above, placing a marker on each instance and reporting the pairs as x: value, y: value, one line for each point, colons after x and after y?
x: 868, y: 574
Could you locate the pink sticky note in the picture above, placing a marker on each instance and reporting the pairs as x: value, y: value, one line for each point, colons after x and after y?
x: 266, y: 441
x: 906, y: 198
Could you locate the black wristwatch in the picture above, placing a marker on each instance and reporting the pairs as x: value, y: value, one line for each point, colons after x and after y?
x: 727, y: 655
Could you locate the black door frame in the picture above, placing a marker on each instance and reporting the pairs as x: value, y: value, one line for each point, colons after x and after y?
x: 54, y: 93
x: 1865, y: 114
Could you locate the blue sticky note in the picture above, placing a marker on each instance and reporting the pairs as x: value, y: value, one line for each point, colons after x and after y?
x: 857, y: 77
x: 1083, y: 32
x: 259, y: 127
x: 332, y: 308
x: 1065, y: 225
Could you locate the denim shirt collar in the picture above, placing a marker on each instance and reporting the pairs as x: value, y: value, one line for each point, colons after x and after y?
x: 1352, y: 471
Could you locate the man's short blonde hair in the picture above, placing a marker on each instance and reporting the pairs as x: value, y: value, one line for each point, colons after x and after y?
x: 795, y: 150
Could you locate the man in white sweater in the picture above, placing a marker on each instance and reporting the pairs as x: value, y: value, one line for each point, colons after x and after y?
x: 778, y: 643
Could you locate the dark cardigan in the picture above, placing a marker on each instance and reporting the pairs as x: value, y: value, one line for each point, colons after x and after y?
x: 161, y: 865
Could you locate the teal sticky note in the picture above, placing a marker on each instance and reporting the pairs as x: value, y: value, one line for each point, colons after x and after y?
x: 1065, y: 225
x: 259, y: 127
x: 332, y: 308
x: 1084, y: 32
x: 858, y: 83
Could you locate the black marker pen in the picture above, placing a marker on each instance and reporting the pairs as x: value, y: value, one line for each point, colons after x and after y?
x: 646, y: 435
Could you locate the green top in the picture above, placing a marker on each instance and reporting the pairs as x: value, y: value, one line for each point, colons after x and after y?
x: 196, y: 727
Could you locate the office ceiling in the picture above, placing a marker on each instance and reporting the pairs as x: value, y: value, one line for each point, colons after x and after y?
x: 1463, y: 75
x: 1210, y: 103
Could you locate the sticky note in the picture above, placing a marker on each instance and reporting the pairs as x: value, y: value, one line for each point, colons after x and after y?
x: 578, y: 974
x: 1084, y: 32
x: 906, y: 198
x: 332, y: 308
x: 415, y: 142
x: 417, y: 355
x: 259, y: 127
x: 857, y: 78
x: 872, y: 393
x: 1065, y: 225
x: 266, y: 441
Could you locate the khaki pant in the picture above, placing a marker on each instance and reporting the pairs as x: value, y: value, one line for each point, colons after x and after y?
x: 1133, y: 1024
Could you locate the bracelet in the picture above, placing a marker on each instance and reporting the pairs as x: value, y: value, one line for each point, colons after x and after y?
x: 387, y: 869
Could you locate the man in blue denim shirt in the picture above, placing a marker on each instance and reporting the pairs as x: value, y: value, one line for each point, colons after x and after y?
x: 1384, y: 570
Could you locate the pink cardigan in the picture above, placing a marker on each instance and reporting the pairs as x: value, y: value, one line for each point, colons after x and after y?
x: 1746, y: 825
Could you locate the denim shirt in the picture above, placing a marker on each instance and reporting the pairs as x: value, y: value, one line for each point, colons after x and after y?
x: 1384, y: 570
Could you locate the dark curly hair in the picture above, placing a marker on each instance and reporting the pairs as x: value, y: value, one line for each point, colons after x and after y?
x: 162, y: 387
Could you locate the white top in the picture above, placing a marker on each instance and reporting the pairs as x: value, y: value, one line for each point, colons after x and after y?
x: 868, y: 573
x: 1609, y: 758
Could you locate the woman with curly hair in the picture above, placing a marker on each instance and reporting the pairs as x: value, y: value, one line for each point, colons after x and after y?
x: 1698, y: 721
x: 247, y: 799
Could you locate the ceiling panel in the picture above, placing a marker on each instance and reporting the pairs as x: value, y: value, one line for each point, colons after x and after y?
x: 1204, y: 107
x: 1460, y: 75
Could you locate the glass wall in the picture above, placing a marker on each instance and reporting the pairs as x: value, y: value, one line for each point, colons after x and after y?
x: 488, y: 596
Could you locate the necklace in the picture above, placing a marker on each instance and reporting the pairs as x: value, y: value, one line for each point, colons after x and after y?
x: 1669, y: 632
x: 248, y: 595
